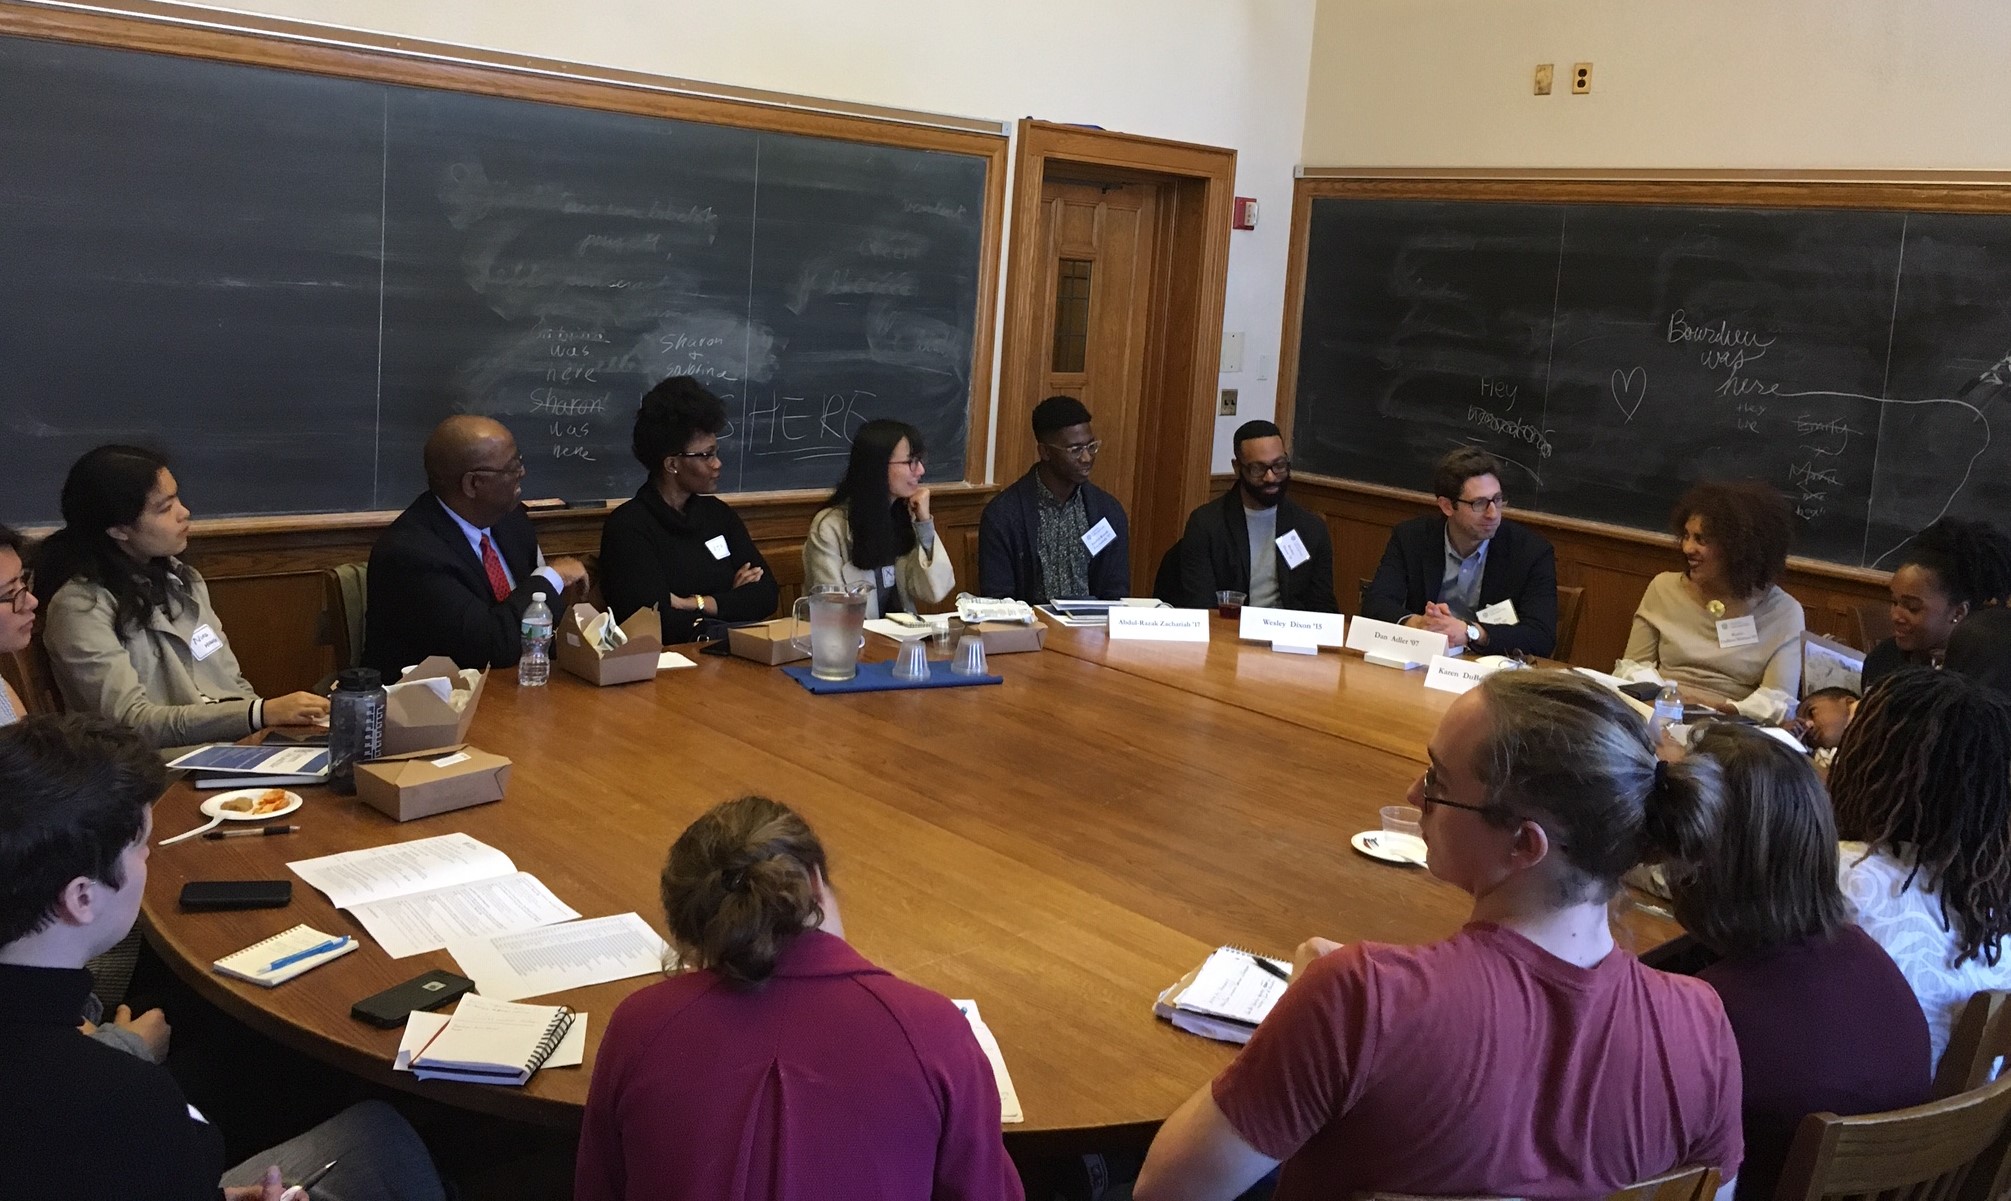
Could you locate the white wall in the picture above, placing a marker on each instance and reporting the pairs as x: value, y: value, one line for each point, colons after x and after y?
x: 1676, y: 83
x: 1222, y: 72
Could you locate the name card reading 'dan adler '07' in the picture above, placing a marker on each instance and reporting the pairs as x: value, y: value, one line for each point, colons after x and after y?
x: 1293, y: 627
x: 1393, y: 645
x: 1159, y: 625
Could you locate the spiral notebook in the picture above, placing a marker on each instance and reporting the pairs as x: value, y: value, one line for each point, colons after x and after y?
x: 301, y: 949
x: 493, y: 1042
x: 1227, y: 996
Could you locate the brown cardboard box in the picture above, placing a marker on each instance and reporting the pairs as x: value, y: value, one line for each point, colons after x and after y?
x: 631, y: 661
x: 433, y: 781
x: 1007, y: 637
x: 766, y: 642
x: 416, y: 718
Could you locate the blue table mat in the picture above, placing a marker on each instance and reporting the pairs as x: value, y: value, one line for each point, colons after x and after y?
x: 879, y: 677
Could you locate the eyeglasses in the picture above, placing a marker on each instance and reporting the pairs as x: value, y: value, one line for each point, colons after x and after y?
x: 513, y: 469
x: 1257, y: 471
x: 712, y: 454
x: 25, y: 586
x: 1081, y: 450
x: 914, y: 461
x: 1431, y: 794
x: 1481, y: 504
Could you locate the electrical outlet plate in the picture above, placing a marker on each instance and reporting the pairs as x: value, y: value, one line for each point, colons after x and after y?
x: 1545, y: 72
x: 1228, y: 406
x: 1581, y: 79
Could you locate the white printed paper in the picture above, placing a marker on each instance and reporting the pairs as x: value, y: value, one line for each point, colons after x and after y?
x: 427, y: 921
x: 1456, y: 675
x: 353, y: 878
x: 1159, y: 625
x: 1009, y: 1108
x: 1392, y: 641
x: 1500, y: 613
x: 1737, y: 631
x: 1293, y: 548
x: 1099, y: 536
x: 717, y: 546
x: 531, y: 963
x: 1292, y: 627
x: 204, y: 642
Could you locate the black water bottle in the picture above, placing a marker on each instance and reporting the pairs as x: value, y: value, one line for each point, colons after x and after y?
x: 355, y: 725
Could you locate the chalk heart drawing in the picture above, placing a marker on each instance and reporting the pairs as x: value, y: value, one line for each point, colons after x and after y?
x: 1630, y: 388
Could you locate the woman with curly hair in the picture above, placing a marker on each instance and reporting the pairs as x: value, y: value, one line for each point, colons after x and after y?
x: 1947, y: 572
x: 1722, y: 630
x: 1922, y: 788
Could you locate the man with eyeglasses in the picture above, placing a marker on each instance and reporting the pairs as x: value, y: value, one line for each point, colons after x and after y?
x: 1484, y: 582
x: 1254, y: 540
x: 1051, y: 534
x: 454, y: 574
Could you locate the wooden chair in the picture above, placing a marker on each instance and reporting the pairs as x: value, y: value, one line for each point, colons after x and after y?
x: 344, y: 594
x: 1874, y: 623
x: 1570, y: 603
x: 1677, y: 1184
x: 1948, y: 1149
x: 1981, y: 1037
x: 28, y: 671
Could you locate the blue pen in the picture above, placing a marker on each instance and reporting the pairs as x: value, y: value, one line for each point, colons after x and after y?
x: 309, y: 953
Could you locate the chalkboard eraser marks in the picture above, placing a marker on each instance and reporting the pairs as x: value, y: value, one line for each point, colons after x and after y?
x: 549, y: 502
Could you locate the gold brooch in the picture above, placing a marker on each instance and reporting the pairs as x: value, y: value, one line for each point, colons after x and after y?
x: 1716, y: 608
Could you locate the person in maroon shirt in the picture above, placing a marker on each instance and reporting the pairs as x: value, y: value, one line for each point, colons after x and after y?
x: 1824, y: 1019
x: 1525, y: 1056
x: 783, y: 1066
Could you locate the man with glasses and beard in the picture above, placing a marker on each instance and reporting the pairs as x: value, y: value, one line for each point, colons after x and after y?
x: 1051, y: 534
x: 1467, y: 572
x: 454, y: 574
x: 1254, y: 540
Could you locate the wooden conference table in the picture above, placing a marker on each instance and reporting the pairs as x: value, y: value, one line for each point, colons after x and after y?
x: 1059, y: 847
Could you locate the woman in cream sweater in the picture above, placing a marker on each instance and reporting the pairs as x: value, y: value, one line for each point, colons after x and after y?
x: 876, y: 532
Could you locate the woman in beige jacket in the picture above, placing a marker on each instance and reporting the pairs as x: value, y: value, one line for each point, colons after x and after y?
x: 128, y: 626
x: 876, y: 532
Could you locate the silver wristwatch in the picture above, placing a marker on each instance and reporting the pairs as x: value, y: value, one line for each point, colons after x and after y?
x: 1472, y: 634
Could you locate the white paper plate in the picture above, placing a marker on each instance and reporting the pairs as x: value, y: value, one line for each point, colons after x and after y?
x: 214, y: 806
x: 1405, y: 849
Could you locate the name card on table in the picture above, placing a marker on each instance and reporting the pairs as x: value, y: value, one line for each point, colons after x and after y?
x: 1456, y: 675
x: 1392, y: 645
x: 1293, y: 628
x: 1159, y: 625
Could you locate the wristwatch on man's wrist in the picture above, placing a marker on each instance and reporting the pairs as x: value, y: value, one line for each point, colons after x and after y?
x: 1472, y: 634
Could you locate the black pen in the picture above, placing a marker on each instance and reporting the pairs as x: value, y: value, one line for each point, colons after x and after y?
x: 261, y: 832
x: 1270, y: 967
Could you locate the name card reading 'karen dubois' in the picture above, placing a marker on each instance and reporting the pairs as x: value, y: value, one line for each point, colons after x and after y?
x: 1393, y: 645
x: 1457, y: 675
x: 1292, y: 627
x: 1159, y: 625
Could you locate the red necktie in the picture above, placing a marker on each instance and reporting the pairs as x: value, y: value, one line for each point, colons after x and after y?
x: 492, y: 565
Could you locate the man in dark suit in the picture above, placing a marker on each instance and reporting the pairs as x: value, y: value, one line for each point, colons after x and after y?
x: 454, y: 574
x: 1036, y: 537
x: 1254, y: 540
x: 1484, y: 582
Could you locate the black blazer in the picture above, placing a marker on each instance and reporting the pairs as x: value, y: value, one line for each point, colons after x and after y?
x: 428, y: 594
x: 1009, y: 543
x: 1214, y: 556
x: 650, y: 551
x: 1521, y: 567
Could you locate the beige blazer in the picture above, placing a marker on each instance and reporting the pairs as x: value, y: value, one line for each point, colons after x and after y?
x: 922, y: 577
x: 150, y: 680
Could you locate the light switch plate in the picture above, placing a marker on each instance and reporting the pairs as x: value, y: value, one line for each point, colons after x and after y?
x: 1232, y: 354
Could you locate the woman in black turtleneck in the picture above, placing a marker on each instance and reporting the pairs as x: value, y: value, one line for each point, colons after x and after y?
x: 676, y: 546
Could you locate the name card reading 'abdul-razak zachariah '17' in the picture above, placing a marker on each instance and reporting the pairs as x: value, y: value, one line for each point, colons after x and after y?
x: 1159, y: 625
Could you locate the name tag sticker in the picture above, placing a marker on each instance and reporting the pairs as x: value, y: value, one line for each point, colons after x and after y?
x: 1737, y: 631
x: 887, y: 576
x: 1500, y: 613
x: 1159, y: 625
x: 1293, y: 548
x: 1099, y: 536
x: 717, y: 546
x: 204, y: 642
x: 1292, y: 629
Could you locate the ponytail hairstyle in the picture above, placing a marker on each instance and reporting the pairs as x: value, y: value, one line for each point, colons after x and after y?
x: 741, y: 882
x: 881, y: 530
x: 1571, y: 756
x: 1924, y: 775
x: 109, y: 486
x: 1971, y: 560
x: 1771, y: 876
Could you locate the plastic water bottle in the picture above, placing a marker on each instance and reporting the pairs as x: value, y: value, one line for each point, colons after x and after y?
x: 355, y: 725
x: 534, y: 667
x: 1668, y: 708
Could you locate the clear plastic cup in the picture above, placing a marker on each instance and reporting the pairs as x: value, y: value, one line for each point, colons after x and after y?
x: 913, y: 661
x: 1402, y: 819
x: 1229, y: 604
x: 970, y: 656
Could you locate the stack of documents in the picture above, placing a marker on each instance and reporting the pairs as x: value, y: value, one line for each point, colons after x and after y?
x: 491, y: 1042
x: 418, y: 896
x: 1009, y: 1108
x: 1226, y: 996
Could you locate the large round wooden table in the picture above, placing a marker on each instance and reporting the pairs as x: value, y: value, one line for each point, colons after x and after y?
x: 1059, y: 847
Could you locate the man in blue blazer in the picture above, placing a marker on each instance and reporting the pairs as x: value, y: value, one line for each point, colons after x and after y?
x: 1052, y: 534
x: 1467, y: 572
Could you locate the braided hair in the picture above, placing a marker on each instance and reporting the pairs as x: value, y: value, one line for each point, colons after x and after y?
x: 1970, y: 559
x: 1926, y: 766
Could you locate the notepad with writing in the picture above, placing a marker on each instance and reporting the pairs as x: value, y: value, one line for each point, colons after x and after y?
x: 254, y: 963
x: 493, y: 1042
x: 1226, y: 996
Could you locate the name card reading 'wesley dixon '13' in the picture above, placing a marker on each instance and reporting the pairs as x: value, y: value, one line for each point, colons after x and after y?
x: 1392, y: 645
x: 1293, y: 628
x: 1159, y: 625
x: 1457, y: 675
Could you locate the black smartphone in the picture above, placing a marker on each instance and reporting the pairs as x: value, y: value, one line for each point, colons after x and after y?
x: 430, y: 991
x: 237, y: 894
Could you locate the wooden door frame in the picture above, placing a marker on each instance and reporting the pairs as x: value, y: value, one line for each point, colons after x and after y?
x: 1183, y: 341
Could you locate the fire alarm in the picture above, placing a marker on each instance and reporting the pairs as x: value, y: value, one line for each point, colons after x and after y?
x: 1243, y: 214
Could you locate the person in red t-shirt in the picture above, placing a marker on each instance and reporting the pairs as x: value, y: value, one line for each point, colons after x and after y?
x: 1525, y: 1056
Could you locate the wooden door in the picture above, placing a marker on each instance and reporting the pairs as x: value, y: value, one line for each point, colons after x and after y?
x: 1097, y: 266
